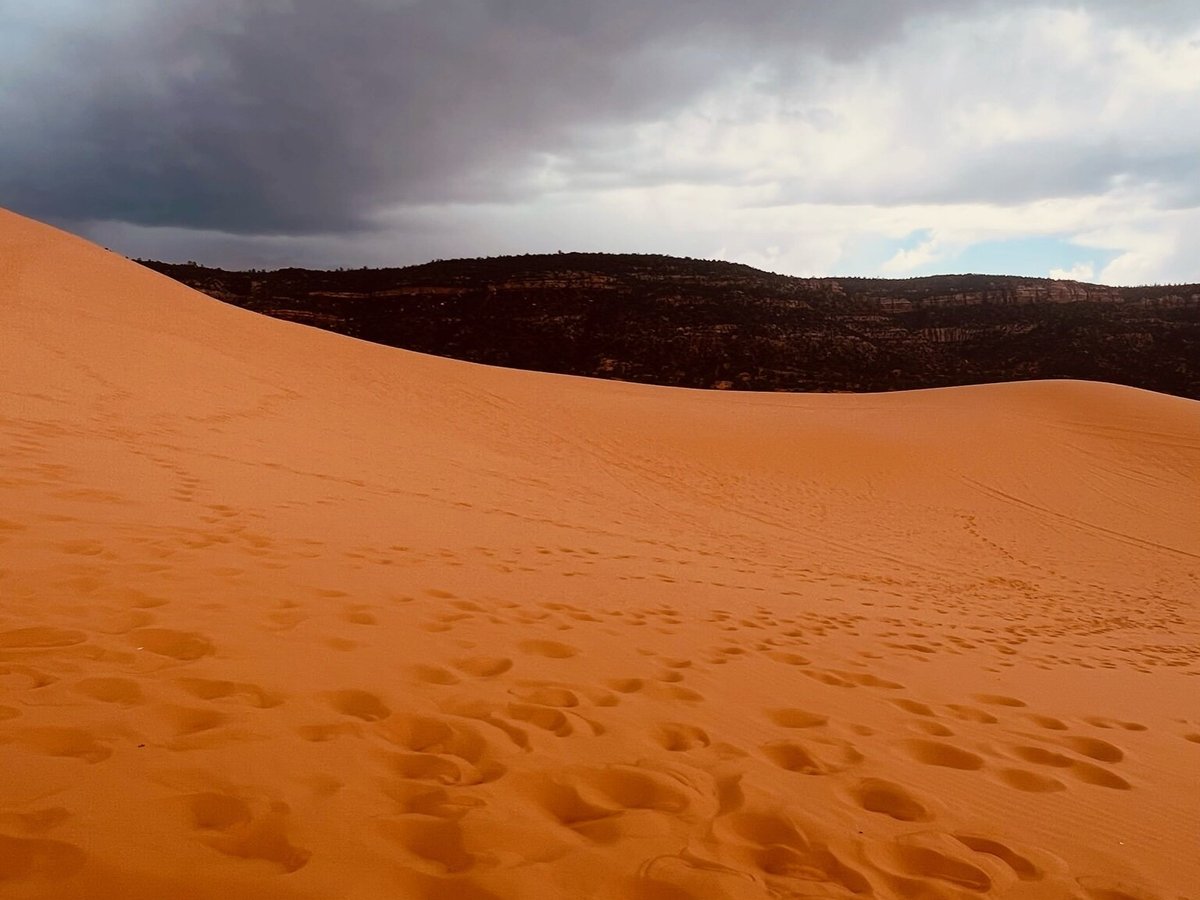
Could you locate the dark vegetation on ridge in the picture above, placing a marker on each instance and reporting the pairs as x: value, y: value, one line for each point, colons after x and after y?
x: 694, y: 323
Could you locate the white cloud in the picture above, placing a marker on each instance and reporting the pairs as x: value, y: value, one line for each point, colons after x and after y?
x: 1017, y: 124
x: 906, y: 260
x: 1078, y: 272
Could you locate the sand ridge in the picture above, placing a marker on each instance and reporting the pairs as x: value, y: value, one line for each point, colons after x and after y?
x: 285, y: 614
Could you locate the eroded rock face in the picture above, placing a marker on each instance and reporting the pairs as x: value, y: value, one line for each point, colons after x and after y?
x: 695, y: 323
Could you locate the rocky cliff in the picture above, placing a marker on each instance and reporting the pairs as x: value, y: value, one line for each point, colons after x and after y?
x: 720, y: 325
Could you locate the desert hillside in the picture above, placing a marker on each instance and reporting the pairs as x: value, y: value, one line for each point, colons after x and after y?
x: 285, y: 614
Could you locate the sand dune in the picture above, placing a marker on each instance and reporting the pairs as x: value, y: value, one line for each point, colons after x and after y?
x: 287, y: 615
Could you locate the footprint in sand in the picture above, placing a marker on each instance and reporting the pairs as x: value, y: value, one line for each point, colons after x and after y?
x: 830, y: 679
x: 359, y: 616
x: 1042, y: 757
x: 591, y: 802
x: 27, y: 861
x: 212, y: 689
x: 835, y: 678
x: 1048, y: 722
x: 433, y: 675
x: 72, y: 743
x: 873, y: 681
x: 1000, y: 700
x: 182, y: 645
x: 784, y: 852
x: 483, y: 666
x: 1094, y: 748
x: 430, y: 845
x: 812, y: 758
x: 544, y: 695
x: 789, y: 659
x: 422, y: 799
x: 1103, y: 889
x: 26, y: 678
x: 1085, y: 772
x: 83, y: 547
x: 359, y: 704
x: 626, y: 685
x: 1024, y: 868
x: 676, y: 737
x: 934, y: 729
x: 683, y: 694
x: 1102, y: 722
x: 230, y: 826
x: 796, y: 718
x: 185, y: 720
x: 288, y: 617
x: 672, y: 663
x: 914, y: 707
x: 36, y: 822
x: 319, y: 734
x: 120, y: 691
x: 429, y: 767
x: 543, y: 717
x: 924, y: 865
x: 548, y: 649
x: 889, y: 799
x: 39, y: 638
x: 439, y: 735
x: 970, y: 714
x: 935, y: 753
x: 1030, y: 782
x: 1090, y: 774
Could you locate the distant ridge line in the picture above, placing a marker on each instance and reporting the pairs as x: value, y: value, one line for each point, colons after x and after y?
x: 714, y: 324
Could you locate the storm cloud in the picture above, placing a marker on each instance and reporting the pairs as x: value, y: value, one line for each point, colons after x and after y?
x: 288, y: 123
x: 308, y: 115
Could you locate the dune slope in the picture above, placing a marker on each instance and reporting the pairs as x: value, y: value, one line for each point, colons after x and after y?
x: 287, y: 615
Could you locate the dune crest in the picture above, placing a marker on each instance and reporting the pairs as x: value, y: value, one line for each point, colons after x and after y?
x: 285, y: 614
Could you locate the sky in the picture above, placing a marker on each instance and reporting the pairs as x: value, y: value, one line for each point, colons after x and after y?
x: 859, y: 137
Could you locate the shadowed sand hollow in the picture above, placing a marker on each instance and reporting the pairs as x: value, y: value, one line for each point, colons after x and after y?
x: 287, y: 615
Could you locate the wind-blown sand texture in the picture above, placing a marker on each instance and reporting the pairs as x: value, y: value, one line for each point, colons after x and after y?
x: 287, y: 615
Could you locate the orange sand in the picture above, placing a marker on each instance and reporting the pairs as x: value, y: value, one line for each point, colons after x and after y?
x: 285, y: 615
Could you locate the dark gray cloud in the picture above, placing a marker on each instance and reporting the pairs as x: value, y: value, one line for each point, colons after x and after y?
x: 304, y: 116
